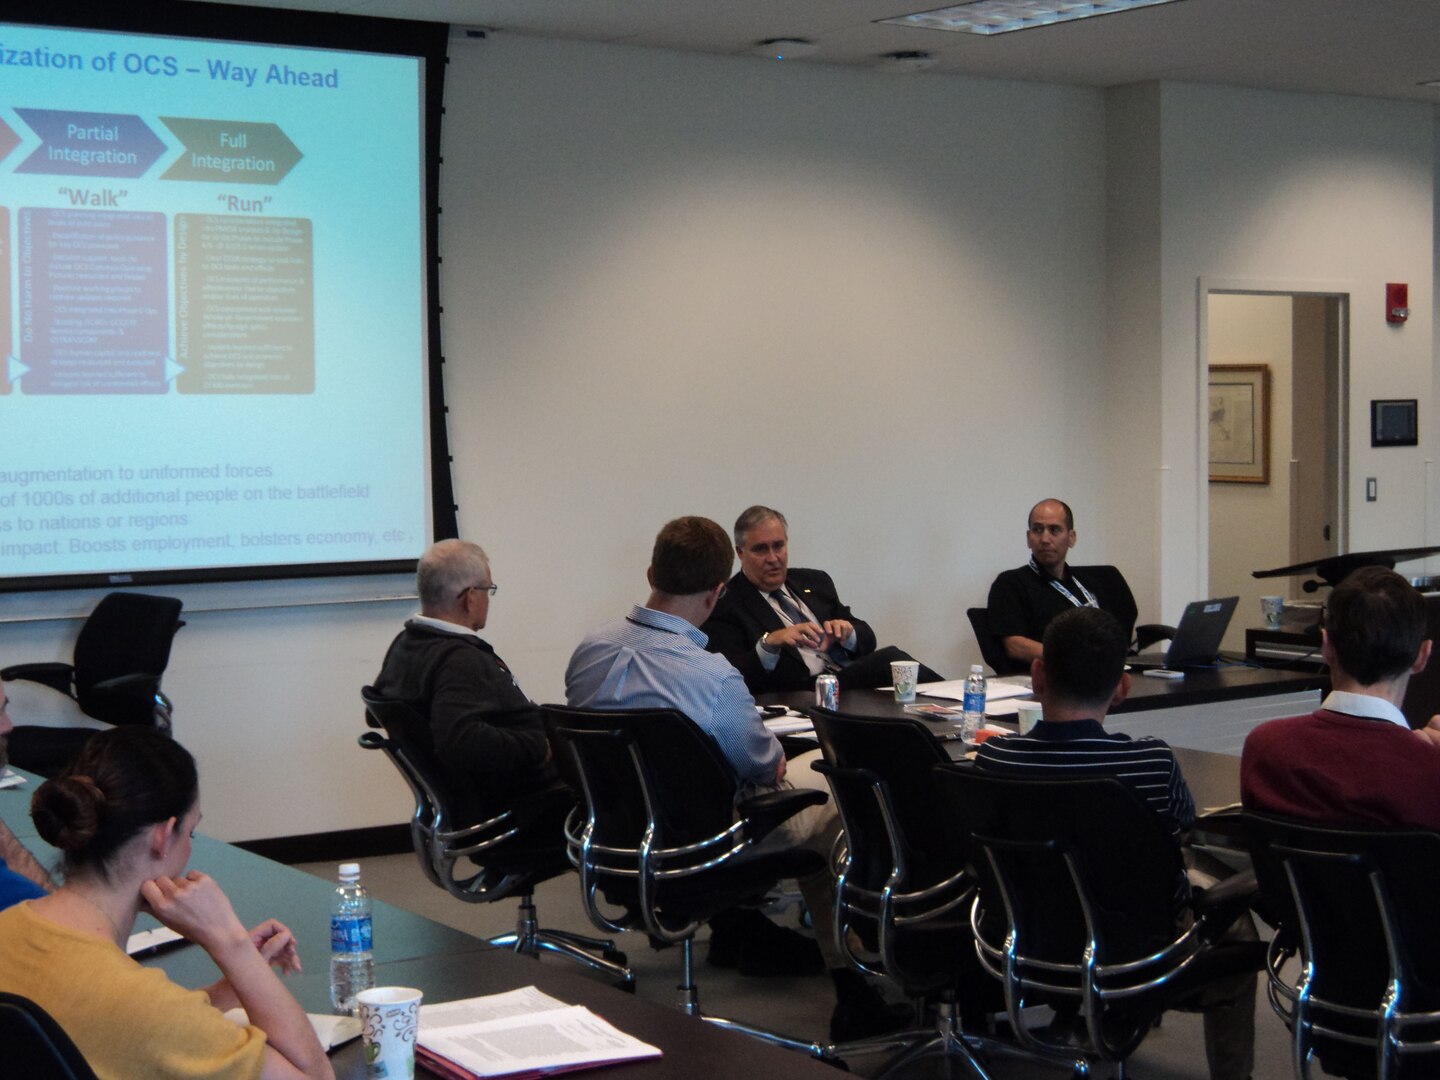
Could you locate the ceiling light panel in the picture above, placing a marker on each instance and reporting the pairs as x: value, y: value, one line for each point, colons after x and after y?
x: 989, y: 17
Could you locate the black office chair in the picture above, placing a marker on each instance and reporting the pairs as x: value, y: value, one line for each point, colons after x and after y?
x: 992, y: 651
x: 1359, y: 908
x: 35, y: 1046
x: 514, y: 849
x: 1075, y: 910
x: 903, y: 891
x: 661, y: 838
x: 120, y: 656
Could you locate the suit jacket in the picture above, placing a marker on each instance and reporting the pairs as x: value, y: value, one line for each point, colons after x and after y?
x: 744, y: 613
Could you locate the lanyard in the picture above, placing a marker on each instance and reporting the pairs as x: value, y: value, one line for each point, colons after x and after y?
x: 1059, y: 587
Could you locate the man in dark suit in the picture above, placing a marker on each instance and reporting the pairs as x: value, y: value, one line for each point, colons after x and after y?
x: 781, y: 627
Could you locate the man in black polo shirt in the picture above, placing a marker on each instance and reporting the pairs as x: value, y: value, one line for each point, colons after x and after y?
x: 1024, y: 600
x: 1079, y: 677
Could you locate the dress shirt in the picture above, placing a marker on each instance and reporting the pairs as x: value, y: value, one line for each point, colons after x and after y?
x: 14, y: 887
x: 654, y: 660
x: 1367, y: 705
x: 814, y: 659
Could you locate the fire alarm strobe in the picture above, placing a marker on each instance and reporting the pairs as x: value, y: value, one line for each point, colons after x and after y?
x: 1397, y: 302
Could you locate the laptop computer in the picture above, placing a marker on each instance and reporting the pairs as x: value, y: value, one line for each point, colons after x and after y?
x: 1197, y: 639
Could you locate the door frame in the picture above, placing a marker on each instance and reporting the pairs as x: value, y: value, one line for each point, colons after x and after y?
x: 1344, y: 291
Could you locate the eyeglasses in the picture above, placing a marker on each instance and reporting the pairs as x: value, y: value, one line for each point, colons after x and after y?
x: 491, y: 589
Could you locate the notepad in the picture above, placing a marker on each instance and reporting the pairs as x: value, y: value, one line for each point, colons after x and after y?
x: 521, y: 1033
x: 332, y: 1031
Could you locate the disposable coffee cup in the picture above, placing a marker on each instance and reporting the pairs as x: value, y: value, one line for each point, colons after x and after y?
x: 903, y: 676
x: 1028, y: 714
x: 1272, y: 607
x: 389, y: 1019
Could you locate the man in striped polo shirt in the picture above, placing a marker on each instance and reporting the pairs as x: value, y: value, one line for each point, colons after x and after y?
x: 1079, y: 677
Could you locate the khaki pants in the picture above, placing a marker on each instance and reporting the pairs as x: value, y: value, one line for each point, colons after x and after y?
x: 813, y: 829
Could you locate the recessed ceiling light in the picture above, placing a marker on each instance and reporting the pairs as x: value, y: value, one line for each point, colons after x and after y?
x: 784, y: 48
x: 1003, y: 16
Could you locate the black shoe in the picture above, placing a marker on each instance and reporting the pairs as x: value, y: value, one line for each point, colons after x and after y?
x: 861, y: 1012
x: 749, y: 942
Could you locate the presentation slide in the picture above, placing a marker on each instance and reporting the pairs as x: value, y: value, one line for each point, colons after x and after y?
x: 213, y: 296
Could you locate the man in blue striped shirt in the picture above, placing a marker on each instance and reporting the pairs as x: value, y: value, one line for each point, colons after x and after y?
x: 655, y: 658
x: 1078, y: 678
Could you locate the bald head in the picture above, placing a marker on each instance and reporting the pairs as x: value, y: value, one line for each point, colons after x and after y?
x: 1054, y: 506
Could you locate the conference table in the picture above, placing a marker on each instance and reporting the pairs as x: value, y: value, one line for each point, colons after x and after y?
x: 1210, y: 709
x: 446, y: 964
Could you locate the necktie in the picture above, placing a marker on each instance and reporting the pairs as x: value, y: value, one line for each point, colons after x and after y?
x: 794, y: 615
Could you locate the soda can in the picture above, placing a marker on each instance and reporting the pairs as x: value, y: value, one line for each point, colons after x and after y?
x: 827, y: 692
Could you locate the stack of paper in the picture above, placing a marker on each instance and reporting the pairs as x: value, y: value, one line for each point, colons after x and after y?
x: 519, y: 1034
x: 954, y: 690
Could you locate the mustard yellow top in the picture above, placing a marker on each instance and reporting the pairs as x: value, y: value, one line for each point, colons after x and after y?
x: 127, y: 1020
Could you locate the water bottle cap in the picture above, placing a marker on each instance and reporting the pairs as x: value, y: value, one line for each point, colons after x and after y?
x: 977, y: 669
x: 349, y: 871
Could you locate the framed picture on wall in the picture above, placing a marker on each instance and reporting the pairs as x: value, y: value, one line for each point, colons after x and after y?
x: 1240, y: 423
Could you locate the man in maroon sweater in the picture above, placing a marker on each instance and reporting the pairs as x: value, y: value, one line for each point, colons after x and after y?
x: 1355, y: 761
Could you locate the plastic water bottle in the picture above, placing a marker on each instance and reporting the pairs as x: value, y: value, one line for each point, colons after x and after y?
x: 974, y: 703
x: 352, y: 963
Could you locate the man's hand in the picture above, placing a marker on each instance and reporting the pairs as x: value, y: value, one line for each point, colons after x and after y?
x: 805, y: 635
x: 1431, y: 731
x: 840, y: 630
x: 780, y: 770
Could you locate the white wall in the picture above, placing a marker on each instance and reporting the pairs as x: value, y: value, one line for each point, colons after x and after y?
x: 1250, y: 523
x: 684, y: 284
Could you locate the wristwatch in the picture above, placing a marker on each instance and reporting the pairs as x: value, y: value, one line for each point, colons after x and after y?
x: 763, y: 645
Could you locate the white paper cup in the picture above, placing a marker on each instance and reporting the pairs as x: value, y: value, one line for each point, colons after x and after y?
x: 903, y: 676
x: 1028, y: 713
x: 389, y: 1018
x: 1272, y: 607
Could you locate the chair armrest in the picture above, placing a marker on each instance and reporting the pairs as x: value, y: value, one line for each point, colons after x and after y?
x: 1147, y: 634
x: 137, y: 687
x: 1225, y: 901
x: 56, y: 675
x: 765, y: 812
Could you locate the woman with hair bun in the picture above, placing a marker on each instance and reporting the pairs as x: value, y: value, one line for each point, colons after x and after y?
x: 123, y: 814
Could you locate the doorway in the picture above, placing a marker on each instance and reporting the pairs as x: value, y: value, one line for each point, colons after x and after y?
x: 1291, y: 508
